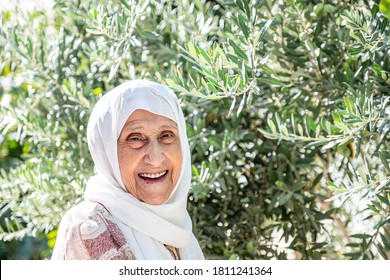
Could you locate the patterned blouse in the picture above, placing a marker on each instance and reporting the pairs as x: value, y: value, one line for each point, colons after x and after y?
x: 94, y: 235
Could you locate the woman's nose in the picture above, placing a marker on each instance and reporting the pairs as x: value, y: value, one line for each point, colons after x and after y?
x: 154, y: 154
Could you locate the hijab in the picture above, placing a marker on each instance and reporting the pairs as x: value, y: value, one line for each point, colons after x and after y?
x: 147, y: 228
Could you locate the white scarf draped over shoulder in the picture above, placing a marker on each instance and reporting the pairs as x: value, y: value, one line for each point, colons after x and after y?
x: 147, y: 228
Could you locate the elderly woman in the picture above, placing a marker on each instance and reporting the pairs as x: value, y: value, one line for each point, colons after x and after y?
x: 135, y: 206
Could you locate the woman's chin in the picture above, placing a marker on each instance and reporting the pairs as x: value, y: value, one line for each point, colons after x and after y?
x: 154, y: 192
x: 158, y: 200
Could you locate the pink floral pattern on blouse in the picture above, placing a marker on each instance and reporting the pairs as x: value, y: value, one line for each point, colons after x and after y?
x: 94, y: 235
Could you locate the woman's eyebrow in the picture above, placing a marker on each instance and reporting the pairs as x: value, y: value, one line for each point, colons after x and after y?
x: 133, y: 127
x: 169, y: 126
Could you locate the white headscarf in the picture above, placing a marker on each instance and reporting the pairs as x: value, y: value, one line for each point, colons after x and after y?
x: 146, y: 227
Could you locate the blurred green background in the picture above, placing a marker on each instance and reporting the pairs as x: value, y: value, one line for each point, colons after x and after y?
x: 287, y: 109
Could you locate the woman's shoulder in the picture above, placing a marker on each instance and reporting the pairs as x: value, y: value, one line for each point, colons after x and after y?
x: 89, y: 216
x: 88, y: 210
x: 93, y: 225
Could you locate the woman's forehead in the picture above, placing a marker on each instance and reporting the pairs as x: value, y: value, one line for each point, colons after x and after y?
x: 143, y: 118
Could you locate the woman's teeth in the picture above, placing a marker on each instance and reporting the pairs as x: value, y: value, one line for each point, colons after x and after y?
x: 154, y: 175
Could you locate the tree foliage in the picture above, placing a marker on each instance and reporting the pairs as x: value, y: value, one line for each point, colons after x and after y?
x: 286, y: 105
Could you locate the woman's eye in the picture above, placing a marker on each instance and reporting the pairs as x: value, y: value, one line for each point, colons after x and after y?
x: 135, y: 141
x: 167, y: 136
x: 134, y: 138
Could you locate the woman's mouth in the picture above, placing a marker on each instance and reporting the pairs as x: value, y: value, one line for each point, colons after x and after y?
x: 153, y: 177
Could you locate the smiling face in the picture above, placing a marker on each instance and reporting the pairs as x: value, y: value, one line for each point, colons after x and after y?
x: 149, y: 155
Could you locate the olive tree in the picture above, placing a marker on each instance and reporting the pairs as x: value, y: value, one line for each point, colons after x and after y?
x: 286, y: 105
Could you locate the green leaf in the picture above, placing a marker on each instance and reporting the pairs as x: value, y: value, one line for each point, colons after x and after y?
x: 331, y: 144
x: 240, y: 4
x: 284, y: 197
x: 329, y: 8
x: 113, y: 70
x: 195, y: 171
x: 271, y: 81
x: 341, y: 126
x: 385, y: 160
x: 299, y: 197
x: 300, y: 129
x: 318, y: 131
x: 238, y: 51
x: 317, y: 179
x: 362, y: 174
x: 197, y: 93
x: 383, y: 200
x: 382, y: 222
x: 347, y: 102
x: 250, y: 246
x: 124, y: 2
x: 247, y: 9
x: 386, y: 241
x: 383, y: 252
x: 297, y: 187
x: 179, y: 88
x: 283, y: 130
x: 384, y: 7
x: 346, y: 140
x: 267, y: 134
x: 29, y: 46
x: 205, y: 55
x: 332, y: 186
x: 361, y: 236
x: 192, y: 50
x: 263, y: 31
x: 241, y: 106
x: 318, y: 8
x: 355, y: 50
x: 241, y: 22
x: 271, y: 125
x: 310, y: 124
